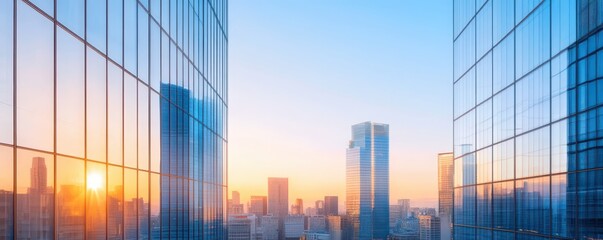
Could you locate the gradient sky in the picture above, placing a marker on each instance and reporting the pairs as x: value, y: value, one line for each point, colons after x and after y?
x: 302, y: 72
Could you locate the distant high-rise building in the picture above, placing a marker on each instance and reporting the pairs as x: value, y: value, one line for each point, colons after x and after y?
x: 243, y: 227
x: 445, y: 190
x: 367, y: 181
x: 258, y: 205
x: 310, y: 211
x: 404, y: 207
x: 35, y: 206
x: 235, y: 207
x: 317, y: 223
x: 395, y: 217
x: 298, y: 207
x: 236, y: 197
x: 320, y: 207
x: 429, y: 227
x: 278, y: 200
x: 38, y: 175
x: 6, y: 213
x: 331, y: 205
x: 294, y: 227
x: 278, y: 197
x: 270, y: 227
x: 334, y: 227
x: 398, y: 213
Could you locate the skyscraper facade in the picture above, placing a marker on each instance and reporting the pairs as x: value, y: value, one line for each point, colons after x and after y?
x: 429, y: 227
x: 320, y: 207
x: 334, y: 227
x: 445, y: 191
x: 398, y: 214
x: 236, y: 197
x: 331, y: 205
x: 527, y: 119
x: 278, y: 197
x: 367, y: 182
x: 113, y: 119
x: 258, y: 205
x: 278, y: 202
x: 298, y: 207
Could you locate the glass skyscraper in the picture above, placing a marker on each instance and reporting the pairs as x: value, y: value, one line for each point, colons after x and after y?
x: 445, y: 193
x: 367, y: 182
x: 528, y: 119
x: 113, y: 119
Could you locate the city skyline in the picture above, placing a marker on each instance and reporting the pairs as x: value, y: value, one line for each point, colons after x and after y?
x: 301, y: 119
x: 300, y: 83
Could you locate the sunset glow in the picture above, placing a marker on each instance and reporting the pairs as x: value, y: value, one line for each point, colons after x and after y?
x: 94, y: 181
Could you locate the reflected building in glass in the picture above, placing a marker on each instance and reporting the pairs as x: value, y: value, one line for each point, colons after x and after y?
x: 528, y: 119
x: 367, y: 182
x: 113, y: 119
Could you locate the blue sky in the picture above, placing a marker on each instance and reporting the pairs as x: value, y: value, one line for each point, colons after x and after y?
x: 302, y: 72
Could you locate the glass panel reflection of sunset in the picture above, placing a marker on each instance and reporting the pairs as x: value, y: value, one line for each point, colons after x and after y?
x: 539, y: 127
x: 103, y: 137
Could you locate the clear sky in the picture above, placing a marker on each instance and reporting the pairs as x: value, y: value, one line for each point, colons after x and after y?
x: 302, y: 72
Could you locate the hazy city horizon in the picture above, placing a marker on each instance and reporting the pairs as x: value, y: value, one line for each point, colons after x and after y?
x: 301, y: 120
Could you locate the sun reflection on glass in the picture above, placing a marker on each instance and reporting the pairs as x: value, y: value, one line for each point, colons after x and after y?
x: 95, y: 181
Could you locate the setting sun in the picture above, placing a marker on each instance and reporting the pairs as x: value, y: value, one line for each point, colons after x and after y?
x: 95, y: 181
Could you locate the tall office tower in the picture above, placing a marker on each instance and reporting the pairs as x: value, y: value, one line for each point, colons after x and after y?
x: 331, y: 204
x: 404, y: 207
x: 395, y: 217
x: 236, y: 197
x: 298, y: 207
x: 398, y: 213
x: 278, y: 197
x: 258, y: 205
x: 334, y: 227
x: 234, y: 205
x: 320, y: 207
x: 235, y: 208
x: 278, y: 201
x: 526, y: 119
x: 367, y: 181
x: 445, y: 190
x: 429, y: 227
x: 113, y: 119
x: 294, y: 227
